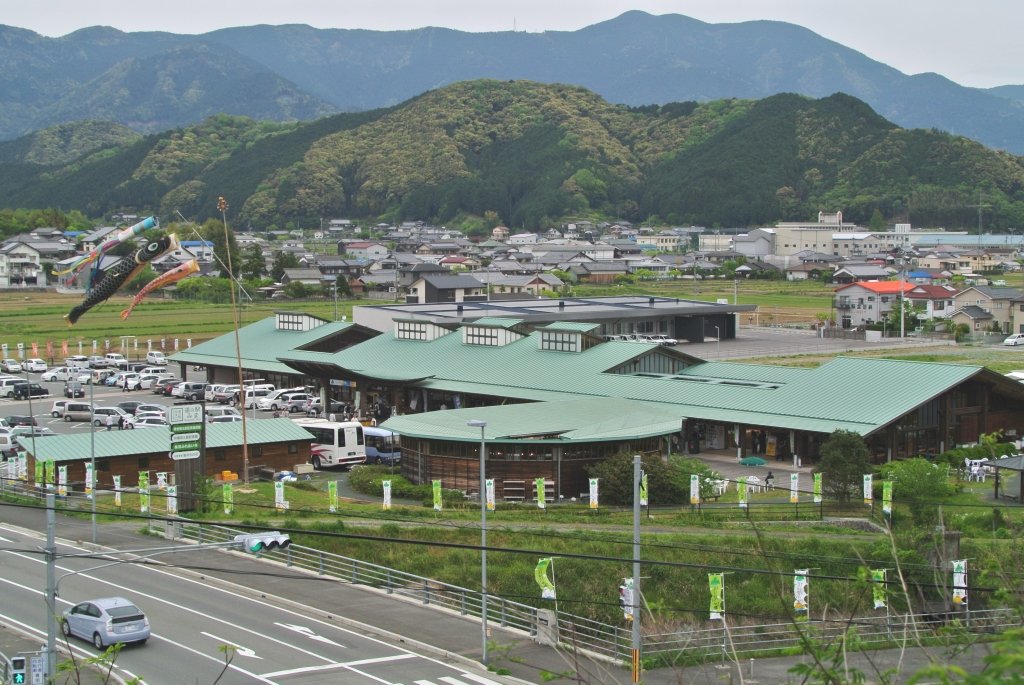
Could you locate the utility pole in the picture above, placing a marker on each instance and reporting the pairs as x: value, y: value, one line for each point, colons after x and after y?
x: 51, y: 587
x: 980, y: 206
x: 636, y: 569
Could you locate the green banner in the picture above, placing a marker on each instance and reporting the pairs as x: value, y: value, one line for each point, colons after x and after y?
x: 51, y: 470
x: 643, y: 489
x: 878, y: 587
x: 438, y: 502
x: 228, y: 497
x: 716, y: 583
x: 538, y: 485
x: 887, y: 497
x: 40, y: 473
x: 817, y: 488
x: 741, y: 491
x: 332, y: 496
x: 540, y: 574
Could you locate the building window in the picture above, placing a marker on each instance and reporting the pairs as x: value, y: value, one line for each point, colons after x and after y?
x: 559, y: 341
x: 103, y: 466
x: 411, y: 330
x: 290, y: 322
x: 293, y: 448
x: 481, y: 336
x: 143, y: 463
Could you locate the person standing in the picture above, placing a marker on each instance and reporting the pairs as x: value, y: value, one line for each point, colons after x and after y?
x: 110, y: 421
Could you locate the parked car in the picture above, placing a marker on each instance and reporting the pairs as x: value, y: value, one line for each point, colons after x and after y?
x: 77, y: 361
x: 8, y: 443
x: 314, y: 406
x: 662, y: 340
x: 23, y: 391
x: 151, y: 409
x: 156, y: 357
x: 1015, y: 339
x: 151, y: 421
x: 189, y: 390
x: 149, y: 381
x: 226, y: 395
x: 130, y: 406
x: 226, y: 418
x: 165, y: 386
x: 252, y: 397
x: 8, y: 384
x: 97, y: 361
x: 31, y: 431
x: 58, y: 373
x: 20, y: 420
x: 57, y: 409
x: 214, y: 412
x: 106, y: 621
x: 10, y: 365
x: 35, y: 365
x: 100, y: 415
x: 74, y: 389
x: 288, y: 401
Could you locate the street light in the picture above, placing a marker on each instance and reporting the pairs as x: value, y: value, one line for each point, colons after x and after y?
x: 474, y: 423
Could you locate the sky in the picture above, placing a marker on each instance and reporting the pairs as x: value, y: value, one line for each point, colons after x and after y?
x: 974, y: 43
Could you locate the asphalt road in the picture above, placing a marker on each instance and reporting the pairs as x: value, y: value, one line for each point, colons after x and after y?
x: 193, y: 618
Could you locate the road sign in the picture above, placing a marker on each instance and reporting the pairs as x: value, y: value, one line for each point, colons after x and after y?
x: 186, y: 431
x: 187, y: 454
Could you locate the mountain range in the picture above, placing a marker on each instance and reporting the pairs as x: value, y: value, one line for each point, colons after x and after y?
x: 154, y: 81
x: 528, y: 154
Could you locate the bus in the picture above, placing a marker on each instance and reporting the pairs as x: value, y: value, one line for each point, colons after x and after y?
x: 381, y: 446
x: 335, y: 443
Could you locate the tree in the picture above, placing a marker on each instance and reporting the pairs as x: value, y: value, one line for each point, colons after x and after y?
x: 213, y: 231
x: 283, y: 260
x: 844, y: 462
x: 253, y: 265
x: 667, y: 483
x: 919, y: 484
x: 877, y: 221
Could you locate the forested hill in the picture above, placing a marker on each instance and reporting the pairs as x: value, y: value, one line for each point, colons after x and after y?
x: 535, y: 153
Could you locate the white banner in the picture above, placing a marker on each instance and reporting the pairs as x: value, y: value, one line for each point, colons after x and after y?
x: 117, y: 491
x: 960, y: 582
x: 489, y: 489
x: 280, y: 503
x: 800, y: 605
x: 794, y: 488
x: 22, y: 466
x: 387, y: 493
x: 868, y: 495
x: 161, y: 480
x: 62, y: 481
x: 594, y: 494
x: 172, y: 499
x: 88, y: 480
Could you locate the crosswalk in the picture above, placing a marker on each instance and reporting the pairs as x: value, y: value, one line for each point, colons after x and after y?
x: 461, y: 679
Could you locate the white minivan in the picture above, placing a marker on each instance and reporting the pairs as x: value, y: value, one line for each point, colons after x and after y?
x: 156, y: 357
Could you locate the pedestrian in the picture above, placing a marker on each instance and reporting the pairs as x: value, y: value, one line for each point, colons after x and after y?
x: 120, y: 422
x: 110, y: 421
x: 769, y: 481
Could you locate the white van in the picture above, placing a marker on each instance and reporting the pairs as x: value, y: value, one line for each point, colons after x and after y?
x: 214, y: 412
x: 7, y: 386
x: 156, y: 357
x: 265, y: 403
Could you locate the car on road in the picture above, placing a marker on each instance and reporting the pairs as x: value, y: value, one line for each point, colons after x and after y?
x: 106, y: 621
x: 58, y: 373
x: 1015, y: 339
x: 148, y: 381
x: 74, y: 389
x: 252, y: 397
x: 226, y: 394
x: 23, y: 391
x: 156, y: 357
x: 214, y: 412
x: 314, y: 406
x: 77, y: 361
x: 10, y: 365
x: 8, y: 443
x: 35, y: 365
x: 147, y: 421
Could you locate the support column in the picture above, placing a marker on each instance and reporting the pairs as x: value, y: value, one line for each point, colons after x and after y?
x: 792, y: 446
x: 739, y: 444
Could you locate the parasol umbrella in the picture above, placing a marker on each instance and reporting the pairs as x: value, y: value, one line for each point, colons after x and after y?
x: 753, y: 461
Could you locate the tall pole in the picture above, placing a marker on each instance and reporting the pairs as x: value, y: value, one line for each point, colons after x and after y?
x: 483, y: 537
x: 222, y: 205
x: 903, y: 278
x: 636, y: 568
x: 51, y: 588
x: 92, y: 453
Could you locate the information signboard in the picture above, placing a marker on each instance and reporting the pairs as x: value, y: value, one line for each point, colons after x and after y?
x: 186, y: 424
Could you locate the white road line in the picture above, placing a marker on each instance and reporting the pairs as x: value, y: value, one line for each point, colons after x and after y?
x: 476, y: 679
x: 345, y: 664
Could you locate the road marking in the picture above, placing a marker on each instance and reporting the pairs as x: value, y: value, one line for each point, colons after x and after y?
x: 303, y: 630
x: 240, y: 651
x: 2, y: 539
x: 475, y: 678
x: 340, y: 664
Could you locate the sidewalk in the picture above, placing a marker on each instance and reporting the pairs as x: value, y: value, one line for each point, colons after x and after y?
x: 449, y: 635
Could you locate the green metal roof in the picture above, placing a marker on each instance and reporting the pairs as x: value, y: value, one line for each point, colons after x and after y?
x: 261, y: 344
x: 77, y: 446
x: 581, y: 327
x: 496, y: 322
x: 579, y: 420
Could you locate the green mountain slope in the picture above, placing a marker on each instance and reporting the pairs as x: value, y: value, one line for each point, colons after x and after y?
x: 535, y: 153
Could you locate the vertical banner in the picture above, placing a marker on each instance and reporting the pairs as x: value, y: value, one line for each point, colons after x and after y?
x: 280, y: 503
x: 643, y: 489
x: 144, y: 491
x: 800, y: 593
x: 62, y: 483
x: 64, y: 348
x: 227, y: 497
x: 438, y: 501
x: 538, y: 485
x: 117, y: 491
x: 35, y: 349
x: 716, y: 583
x: 960, y: 582
x: 741, y: 491
x: 49, y: 351
x: 88, y: 480
x: 40, y: 473
x: 51, y: 474
x: 868, y: 495
x: 817, y: 488
x: 540, y: 574
x: 387, y: 494
x: 694, y: 489
x: 161, y: 480
x: 794, y: 488
x: 22, y: 466
x: 172, y: 499
x: 594, y: 492
x: 887, y: 497
x: 332, y: 496
x: 626, y: 598
x: 878, y: 587
x: 489, y: 493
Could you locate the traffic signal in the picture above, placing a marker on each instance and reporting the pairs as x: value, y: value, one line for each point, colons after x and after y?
x: 263, y: 542
x: 18, y: 670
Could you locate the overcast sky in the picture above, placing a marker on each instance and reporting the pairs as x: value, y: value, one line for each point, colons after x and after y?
x: 975, y: 43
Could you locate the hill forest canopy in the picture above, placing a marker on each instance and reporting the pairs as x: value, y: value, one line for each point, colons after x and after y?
x: 531, y: 154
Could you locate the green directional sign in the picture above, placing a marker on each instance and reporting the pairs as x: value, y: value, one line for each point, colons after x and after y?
x: 186, y: 425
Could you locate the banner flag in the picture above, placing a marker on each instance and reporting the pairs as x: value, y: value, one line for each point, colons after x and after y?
x: 62, y: 485
x: 868, y: 496
x: 387, y: 494
x: 643, y: 489
x: 332, y: 496
x: 800, y: 592
x: 878, y: 587
x: 593, y: 492
x: 117, y: 491
x: 438, y: 505
x: 540, y: 574
x: 694, y: 489
x: 88, y: 480
x: 887, y: 497
x: 960, y: 582
x: 538, y: 485
x: 22, y: 466
x: 172, y: 499
x: 741, y: 490
x: 280, y: 503
x: 161, y: 480
x: 817, y: 488
x: 794, y: 488
x: 716, y: 583
x: 51, y: 474
x: 227, y: 496
x: 40, y: 473
x: 626, y: 598
x: 489, y: 490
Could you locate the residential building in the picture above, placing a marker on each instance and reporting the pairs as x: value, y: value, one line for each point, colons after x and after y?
x: 20, y: 266
x: 932, y: 301
x: 866, y: 302
x: 999, y: 302
x: 446, y: 288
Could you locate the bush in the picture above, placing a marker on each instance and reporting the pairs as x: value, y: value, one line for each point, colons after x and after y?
x: 919, y: 484
x: 667, y: 483
x: 369, y: 481
x: 844, y: 461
